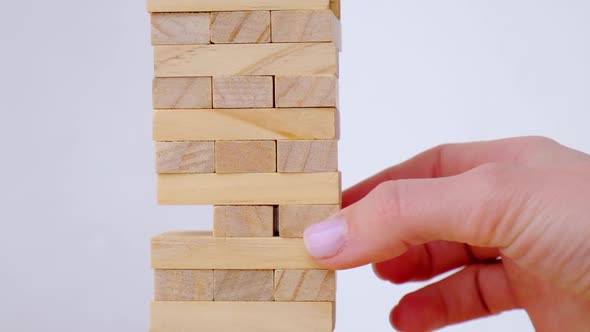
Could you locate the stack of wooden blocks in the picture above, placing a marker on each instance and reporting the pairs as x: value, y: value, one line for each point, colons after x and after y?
x: 245, y: 98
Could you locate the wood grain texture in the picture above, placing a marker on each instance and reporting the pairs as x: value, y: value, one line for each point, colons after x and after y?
x: 221, y: 316
x: 246, y: 156
x: 200, y: 250
x: 243, y: 285
x: 336, y: 7
x: 243, y: 221
x: 305, y: 26
x: 240, y: 27
x: 249, y: 189
x: 232, y: 5
x: 185, y: 157
x: 246, y: 59
x: 182, y: 92
x: 306, y: 91
x: 305, y: 285
x: 183, y: 285
x: 243, y: 92
x: 310, y: 156
x: 180, y: 28
x: 294, y: 219
x: 251, y: 124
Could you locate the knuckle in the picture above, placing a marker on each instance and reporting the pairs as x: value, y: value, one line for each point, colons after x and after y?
x: 443, y: 153
x: 491, y: 181
x: 494, y: 175
x: 443, y: 148
x: 541, y: 141
x: 535, y: 145
x: 387, y: 199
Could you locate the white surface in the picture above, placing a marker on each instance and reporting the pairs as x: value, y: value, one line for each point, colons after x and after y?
x: 78, y: 185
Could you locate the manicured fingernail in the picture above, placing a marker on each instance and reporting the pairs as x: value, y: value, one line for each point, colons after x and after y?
x: 326, y: 239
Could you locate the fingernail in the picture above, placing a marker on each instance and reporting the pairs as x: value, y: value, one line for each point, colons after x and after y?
x: 326, y: 239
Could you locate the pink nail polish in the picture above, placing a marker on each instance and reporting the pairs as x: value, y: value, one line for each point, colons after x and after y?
x: 326, y: 239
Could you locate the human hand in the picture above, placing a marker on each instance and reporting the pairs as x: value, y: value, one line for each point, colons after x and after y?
x: 515, y: 213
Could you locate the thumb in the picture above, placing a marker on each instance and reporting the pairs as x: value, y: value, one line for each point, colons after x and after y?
x: 479, y: 208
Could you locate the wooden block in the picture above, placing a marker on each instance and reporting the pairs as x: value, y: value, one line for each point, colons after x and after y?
x: 305, y: 26
x: 305, y: 285
x: 246, y: 59
x: 180, y: 28
x: 294, y: 219
x: 307, y: 156
x: 240, y: 27
x: 242, y: 316
x: 246, y: 156
x: 200, y: 250
x: 182, y: 92
x: 335, y: 7
x: 306, y: 91
x: 243, y: 92
x: 249, y: 189
x: 185, y: 157
x: 255, y: 124
x: 243, y: 285
x: 243, y: 221
x: 232, y: 5
x: 183, y: 285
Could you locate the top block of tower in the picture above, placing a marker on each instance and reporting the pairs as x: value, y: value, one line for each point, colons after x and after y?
x: 155, y: 6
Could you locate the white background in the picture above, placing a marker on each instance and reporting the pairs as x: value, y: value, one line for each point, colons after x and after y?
x: 77, y: 197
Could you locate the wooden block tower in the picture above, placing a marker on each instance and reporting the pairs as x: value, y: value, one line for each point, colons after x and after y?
x: 245, y: 96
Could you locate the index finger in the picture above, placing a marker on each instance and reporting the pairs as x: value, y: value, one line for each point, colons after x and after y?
x: 449, y: 160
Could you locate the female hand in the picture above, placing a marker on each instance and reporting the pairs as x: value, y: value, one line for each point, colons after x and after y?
x: 515, y: 213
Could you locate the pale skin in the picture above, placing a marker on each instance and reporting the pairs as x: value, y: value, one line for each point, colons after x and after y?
x: 514, y: 213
